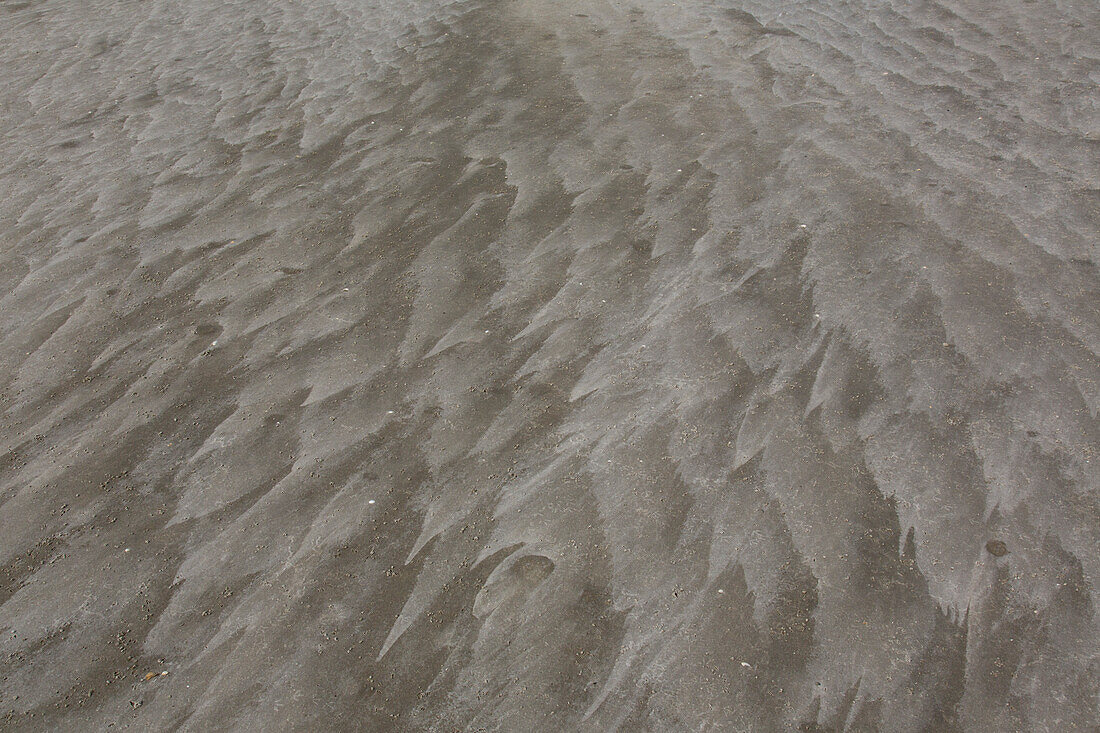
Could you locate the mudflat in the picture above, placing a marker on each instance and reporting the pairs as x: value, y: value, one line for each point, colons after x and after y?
x: 502, y: 365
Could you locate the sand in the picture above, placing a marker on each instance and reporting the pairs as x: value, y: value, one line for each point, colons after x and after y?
x: 517, y: 366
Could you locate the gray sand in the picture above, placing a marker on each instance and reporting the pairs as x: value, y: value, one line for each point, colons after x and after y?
x: 517, y: 365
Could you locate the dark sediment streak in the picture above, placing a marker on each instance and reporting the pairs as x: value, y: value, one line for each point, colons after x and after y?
x: 494, y: 366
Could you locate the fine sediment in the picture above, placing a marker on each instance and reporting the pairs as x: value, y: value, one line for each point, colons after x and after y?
x: 504, y: 365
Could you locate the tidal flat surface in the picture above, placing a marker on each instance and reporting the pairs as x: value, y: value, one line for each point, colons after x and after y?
x: 503, y: 365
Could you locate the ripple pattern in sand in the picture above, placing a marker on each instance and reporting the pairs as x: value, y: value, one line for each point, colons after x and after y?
x: 495, y: 366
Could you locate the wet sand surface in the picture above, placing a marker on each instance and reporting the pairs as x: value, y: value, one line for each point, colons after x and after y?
x: 515, y: 365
